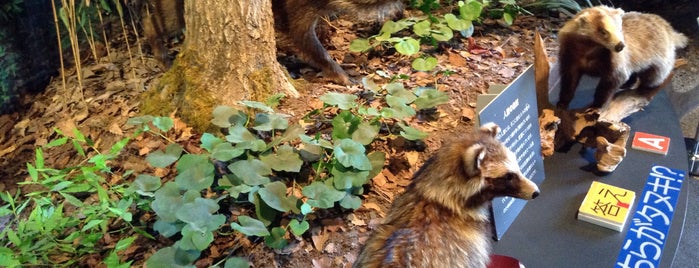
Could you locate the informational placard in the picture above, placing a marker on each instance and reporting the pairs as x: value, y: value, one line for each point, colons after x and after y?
x: 650, y: 225
x: 514, y: 109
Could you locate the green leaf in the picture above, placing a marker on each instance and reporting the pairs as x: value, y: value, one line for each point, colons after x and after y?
x: 377, y: 159
x: 274, y: 194
x: 264, y: 212
x: 292, y: 133
x: 399, y: 107
x: 322, y: 196
x: 91, y: 224
x: 268, y: 122
x: 163, y: 123
x: 424, y: 64
x: 72, y: 200
x: 56, y: 142
x: 285, y: 159
x: 341, y: 100
x: 391, y: 27
x: 422, y: 28
x: 198, y: 214
x: 351, y: 154
x: 471, y: 10
x: 235, y: 191
x: 139, y: 120
x: 166, y: 202
x: 249, y: 226
x: 306, y: 209
x: 366, y: 133
x: 351, y: 202
x: 252, y: 171
x: 209, y: 141
x: 195, y: 172
x: 345, y: 179
x: 256, y: 145
x: 408, y: 46
x: 412, y: 134
x: 163, y: 159
x: 225, y: 116
x: 298, y: 228
x: 316, y: 141
x: 225, y: 152
x: 360, y: 45
x: 238, y: 134
x: 39, y: 158
x: 457, y: 24
x: 398, y: 90
x: 468, y: 32
x: 276, y: 239
x: 310, y: 152
x: 370, y: 85
x: 193, y: 239
x: 236, y: 262
x: 257, y: 105
x: 146, y: 184
x: 509, y: 18
x: 275, y: 100
x: 167, y: 229
x: 172, y: 257
x: 33, y: 173
x: 429, y: 98
x: 344, y: 124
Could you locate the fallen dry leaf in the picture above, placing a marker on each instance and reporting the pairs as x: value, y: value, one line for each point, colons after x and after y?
x: 318, y: 237
x: 115, y: 129
x: 412, y: 157
x: 467, y: 113
x: 355, y: 220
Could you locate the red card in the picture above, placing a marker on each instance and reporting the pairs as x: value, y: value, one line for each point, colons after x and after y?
x: 651, y: 143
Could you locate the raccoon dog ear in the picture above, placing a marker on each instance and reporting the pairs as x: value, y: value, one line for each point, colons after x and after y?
x: 582, y: 19
x: 472, y: 159
x: 617, y: 11
x: 490, y: 129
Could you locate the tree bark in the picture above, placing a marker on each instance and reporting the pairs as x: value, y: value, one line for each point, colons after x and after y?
x: 229, y: 54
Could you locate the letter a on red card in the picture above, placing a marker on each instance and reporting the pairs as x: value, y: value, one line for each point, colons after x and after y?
x: 651, y: 143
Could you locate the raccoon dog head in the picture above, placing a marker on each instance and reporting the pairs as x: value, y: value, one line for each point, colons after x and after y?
x: 497, y: 167
x: 603, y: 25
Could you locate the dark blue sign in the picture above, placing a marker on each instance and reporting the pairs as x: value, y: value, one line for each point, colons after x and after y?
x: 650, y: 225
x: 515, y: 111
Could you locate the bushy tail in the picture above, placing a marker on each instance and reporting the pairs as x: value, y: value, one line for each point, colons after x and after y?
x: 680, y: 40
x: 373, y: 9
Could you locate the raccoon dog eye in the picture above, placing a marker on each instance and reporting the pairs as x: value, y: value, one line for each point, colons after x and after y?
x: 603, y: 32
x: 510, y: 176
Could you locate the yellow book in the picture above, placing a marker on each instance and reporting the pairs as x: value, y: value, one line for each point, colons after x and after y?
x: 606, y: 205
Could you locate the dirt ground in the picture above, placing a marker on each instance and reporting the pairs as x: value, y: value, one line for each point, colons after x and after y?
x: 113, y: 84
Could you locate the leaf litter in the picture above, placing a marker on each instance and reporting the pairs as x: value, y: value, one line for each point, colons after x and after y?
x: 111, y: 94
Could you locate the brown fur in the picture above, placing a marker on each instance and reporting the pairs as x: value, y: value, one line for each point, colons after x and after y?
x: 614, y: 45
x: 295, y: 23
x: 161, y: 20
x: 440, y: 221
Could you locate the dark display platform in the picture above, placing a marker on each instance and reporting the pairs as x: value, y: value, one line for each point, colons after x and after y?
x: 547, y: 233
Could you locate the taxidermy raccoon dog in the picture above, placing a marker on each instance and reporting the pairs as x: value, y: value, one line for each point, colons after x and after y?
x: 440, y: 219
x: 295, y: 23
x: 613, y: 45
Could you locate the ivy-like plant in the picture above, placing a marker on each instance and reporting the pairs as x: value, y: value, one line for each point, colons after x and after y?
x: 263, y: 156
x: 433, y: 29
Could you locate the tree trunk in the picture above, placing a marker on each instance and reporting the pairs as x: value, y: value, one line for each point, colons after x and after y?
x: 229, y: 54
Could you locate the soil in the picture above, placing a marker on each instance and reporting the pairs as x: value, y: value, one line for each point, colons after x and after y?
x: 110, y: 93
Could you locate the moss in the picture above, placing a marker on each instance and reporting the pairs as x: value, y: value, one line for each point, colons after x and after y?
x: 179, y: 90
